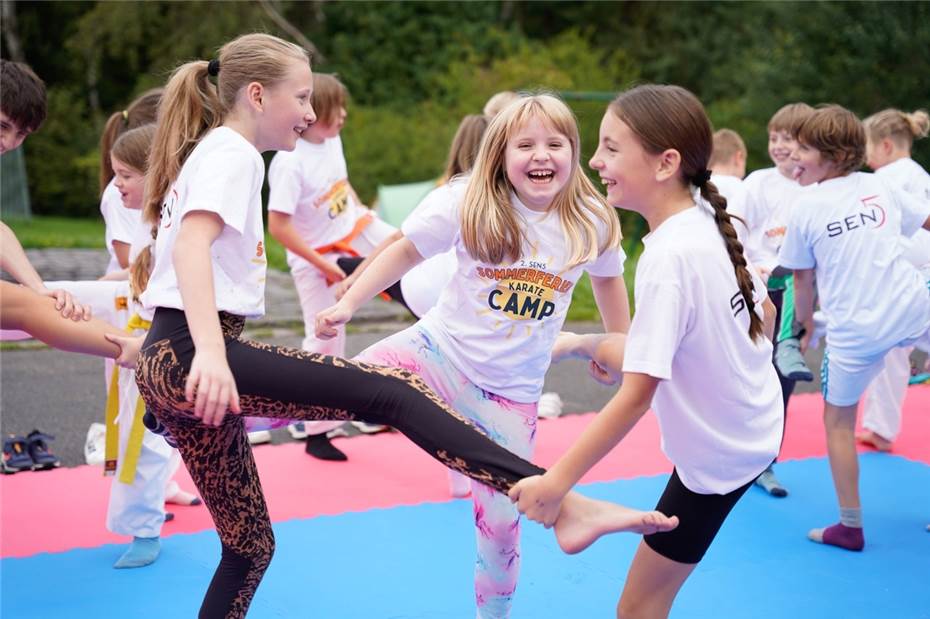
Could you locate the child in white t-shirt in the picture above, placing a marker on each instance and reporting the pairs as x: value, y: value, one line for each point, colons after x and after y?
x: 314, y: 212
x: 702, y: 318
x: 889, y: 137
x: 121, y: 222
x: 524, y: 226
x: 847, y: 230
x: 728, y: 167
x: 772, y: 193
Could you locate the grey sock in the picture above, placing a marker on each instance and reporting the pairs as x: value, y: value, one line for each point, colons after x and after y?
x: 851, y: 517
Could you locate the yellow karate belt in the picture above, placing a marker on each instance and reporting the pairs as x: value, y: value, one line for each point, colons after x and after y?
x: 134, y: 445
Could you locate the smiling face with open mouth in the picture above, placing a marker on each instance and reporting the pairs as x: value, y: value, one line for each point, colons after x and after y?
x: 810, y: 166
x: 538, y: 161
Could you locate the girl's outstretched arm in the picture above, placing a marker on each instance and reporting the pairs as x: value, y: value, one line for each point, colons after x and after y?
x: 387, y: 268
x: 540, y: 497
x: 26, y: 310
x: 210, y: 383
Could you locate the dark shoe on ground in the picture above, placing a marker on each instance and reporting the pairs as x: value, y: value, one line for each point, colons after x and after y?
x: 16, y: 456
x: 36, y: 444
x: 320, y: 447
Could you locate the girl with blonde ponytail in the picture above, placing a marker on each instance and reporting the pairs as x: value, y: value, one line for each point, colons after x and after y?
x: 698, y: 351
x: 525, y: 224
x: 203, y: 191
x: 889, y: 136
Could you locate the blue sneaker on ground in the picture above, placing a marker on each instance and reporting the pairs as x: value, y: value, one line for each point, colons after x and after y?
x: 37, y: 447
x: 16, y: 456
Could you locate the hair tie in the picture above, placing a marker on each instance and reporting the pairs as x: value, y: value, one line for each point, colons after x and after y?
x: 213, y: 67
x: 701, y: 178
x: 126, y: 115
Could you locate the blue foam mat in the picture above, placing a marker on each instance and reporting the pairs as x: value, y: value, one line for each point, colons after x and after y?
x: 416, y: 562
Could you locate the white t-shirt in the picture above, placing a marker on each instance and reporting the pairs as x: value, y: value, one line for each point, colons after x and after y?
x: 906, y: 174
x: 849, y: 229
x: 719, y: 402
x: 311, y: 185
x: 771, y: 197
x: 738, y: 198
x: 222, y: 175
x: 121, y: 222
x: 497, y: 323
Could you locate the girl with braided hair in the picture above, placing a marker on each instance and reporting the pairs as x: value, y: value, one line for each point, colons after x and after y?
x: 702, y: 319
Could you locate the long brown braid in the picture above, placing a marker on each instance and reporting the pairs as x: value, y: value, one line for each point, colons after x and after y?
x: 670, y: 117
x: 724, y: 223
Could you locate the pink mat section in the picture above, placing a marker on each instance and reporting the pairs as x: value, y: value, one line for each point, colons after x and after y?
x: 59, y: 510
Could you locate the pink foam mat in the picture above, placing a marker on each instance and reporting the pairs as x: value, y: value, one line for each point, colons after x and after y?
x: 59, y: 510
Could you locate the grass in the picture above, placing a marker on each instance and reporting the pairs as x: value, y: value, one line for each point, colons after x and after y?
x: 47, y: 232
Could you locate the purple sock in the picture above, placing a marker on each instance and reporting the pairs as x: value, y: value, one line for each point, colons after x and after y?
x: 850, y: 538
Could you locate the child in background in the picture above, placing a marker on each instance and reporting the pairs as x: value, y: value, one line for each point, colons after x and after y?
x: 728, y: 167
x: 772, y: 194
x: 847, y: 230
x: 121, y: 223
x: 890, y: 134
x: 314, y: 212
x: 143, y: 463
x: 702, y: 319
x: 524, y: 225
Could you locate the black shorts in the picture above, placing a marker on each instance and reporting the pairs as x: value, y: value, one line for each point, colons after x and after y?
x: 700, y: 516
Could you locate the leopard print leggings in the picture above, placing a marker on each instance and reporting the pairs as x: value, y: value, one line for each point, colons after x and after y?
x: 283, y: 382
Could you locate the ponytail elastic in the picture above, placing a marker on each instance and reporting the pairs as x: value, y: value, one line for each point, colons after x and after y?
x: 701, y: 178
x: 213, y: 67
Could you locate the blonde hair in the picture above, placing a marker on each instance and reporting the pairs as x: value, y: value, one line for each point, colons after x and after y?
x: 837, y: 134
x: 498, y: 102
x: 142, y: 111
x: 900, y: 127
x: 464, y: 148
x: 132, y: 148
x: 670, y: 117
x: 329, y: 94
x: 726, y: 144
x: 192, y: 105
x: 491, y: 227
x: 790, y: 117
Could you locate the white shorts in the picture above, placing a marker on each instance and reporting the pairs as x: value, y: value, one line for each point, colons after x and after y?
x: 845, y: 378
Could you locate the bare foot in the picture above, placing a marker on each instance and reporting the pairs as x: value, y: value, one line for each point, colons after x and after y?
x: 583, y: 520
x: 879, y: 442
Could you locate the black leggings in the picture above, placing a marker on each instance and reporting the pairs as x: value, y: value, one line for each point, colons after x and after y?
x: 283, y: 382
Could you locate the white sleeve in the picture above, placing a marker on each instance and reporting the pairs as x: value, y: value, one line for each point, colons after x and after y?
x: 796, y: 252
x: 914, y: 211
x: 225, y: 184
x: 660, y: 322
x: 608, y: 264
x: 285, y: 182
x: 434, y: 223
x: 121, y: 222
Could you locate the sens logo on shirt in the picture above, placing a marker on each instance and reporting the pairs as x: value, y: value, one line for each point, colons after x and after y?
x: 870, y: 215
x: 167, y: 207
